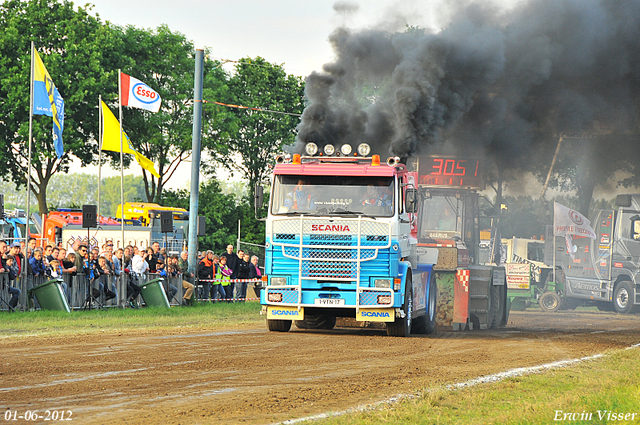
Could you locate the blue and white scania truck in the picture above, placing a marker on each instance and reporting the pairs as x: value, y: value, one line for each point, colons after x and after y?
x: 340, y: 242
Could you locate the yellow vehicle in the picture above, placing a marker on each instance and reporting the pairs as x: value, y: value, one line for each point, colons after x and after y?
x: 149, y: 215
x: 146, y: 212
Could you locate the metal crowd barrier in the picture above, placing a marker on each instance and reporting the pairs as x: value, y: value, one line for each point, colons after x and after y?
x: 203, y: 286
x: 77, y: 289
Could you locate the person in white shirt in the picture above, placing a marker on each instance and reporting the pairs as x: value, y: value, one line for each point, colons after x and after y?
x: 138, y: 264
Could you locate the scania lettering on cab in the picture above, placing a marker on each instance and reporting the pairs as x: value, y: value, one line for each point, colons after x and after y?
x: 339, y: 243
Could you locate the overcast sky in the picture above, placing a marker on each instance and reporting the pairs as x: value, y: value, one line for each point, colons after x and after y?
x: 289, y: 32
x: 293, y: 33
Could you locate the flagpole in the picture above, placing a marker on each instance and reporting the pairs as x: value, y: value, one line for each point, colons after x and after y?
x: 26, y: 257
x: 99, y: 148
x: 122, y: 291
x: 121, y: 158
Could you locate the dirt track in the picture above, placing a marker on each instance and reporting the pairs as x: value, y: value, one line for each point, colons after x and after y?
x: 254, y: 376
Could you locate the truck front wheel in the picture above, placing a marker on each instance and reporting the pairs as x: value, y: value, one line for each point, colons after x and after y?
x: 623, y: 297
x: 402, y: 326
x: 278, y: 325
x: 550, y: 302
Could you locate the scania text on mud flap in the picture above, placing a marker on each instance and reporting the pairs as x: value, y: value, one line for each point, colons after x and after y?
x: 339, y: 243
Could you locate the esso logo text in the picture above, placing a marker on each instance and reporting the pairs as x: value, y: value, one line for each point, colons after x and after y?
x: 144, y: 93
x: 576, y: 218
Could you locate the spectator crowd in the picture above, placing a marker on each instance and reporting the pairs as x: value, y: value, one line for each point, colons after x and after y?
x: 220, y: 277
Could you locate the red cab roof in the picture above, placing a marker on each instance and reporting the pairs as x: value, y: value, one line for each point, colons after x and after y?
x: 335, y: 169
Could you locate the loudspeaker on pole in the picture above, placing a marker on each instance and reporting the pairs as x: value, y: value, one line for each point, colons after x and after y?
x: 166, y: 221
x: 201, y: 225
x: 89, y: 216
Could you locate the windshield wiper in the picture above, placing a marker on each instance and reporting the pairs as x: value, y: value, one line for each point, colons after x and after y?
x: 354, y: 213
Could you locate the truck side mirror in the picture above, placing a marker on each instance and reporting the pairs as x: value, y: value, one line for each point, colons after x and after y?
x: 258, y: 198
x: 411, y: 200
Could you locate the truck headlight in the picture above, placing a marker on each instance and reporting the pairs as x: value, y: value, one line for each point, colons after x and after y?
x: 364, y: 149
x: 311, y: 148
x: 278, y: 281
x: 346, y: 149
x: 382, y: 283
x: 329, y: 149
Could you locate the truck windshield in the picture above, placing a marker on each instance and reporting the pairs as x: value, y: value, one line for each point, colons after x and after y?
x: 440, y: 217
x: 338, y: 195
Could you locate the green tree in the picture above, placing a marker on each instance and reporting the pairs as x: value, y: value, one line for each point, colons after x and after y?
x: 110, y: 192
x: 165, y: 60
x: 75, y: 48
x: 222, y: 212
x: 72, y: 190
x: 255, y: 136
x: 584, y: 164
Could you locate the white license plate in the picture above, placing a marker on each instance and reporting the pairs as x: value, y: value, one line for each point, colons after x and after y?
x: 329, y: 301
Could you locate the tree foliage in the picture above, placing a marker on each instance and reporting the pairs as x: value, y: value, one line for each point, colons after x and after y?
x: 527, y: 217
x: 165, y: 60
x: 254, y: 136
x: 74, y: 47
x: 222, y: 212
x: 110, y: 192
x: 585, y: 164
x: 83, y: 55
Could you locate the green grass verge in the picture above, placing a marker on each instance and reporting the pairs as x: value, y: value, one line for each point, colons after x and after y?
x: 197, y: 316
x: 609, y: 385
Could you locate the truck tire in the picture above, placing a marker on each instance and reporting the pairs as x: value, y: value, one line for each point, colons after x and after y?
x: 550, y: 302
x: 497, y: 307
x: 402, y: 326
x: 316, y: 322
x: 570, y: 303
x: 623, y: 297
x: 426, y: 325
x: 605, y: 306
x: 276, y: 325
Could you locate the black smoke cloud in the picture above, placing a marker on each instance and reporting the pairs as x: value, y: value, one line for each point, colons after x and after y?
x: 494, y: 82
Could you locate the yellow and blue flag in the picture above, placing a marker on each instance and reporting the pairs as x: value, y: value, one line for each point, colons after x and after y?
x: 47, y: 101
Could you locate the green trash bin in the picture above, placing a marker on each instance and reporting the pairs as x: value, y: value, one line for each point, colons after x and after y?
x: 50, y: 296
x: 153, y: 294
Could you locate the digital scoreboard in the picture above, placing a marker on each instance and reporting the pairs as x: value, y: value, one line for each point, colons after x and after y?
x: 449, y: 172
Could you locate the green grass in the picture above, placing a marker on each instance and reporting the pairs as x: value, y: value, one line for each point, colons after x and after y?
x: 197, y: 316
x: 611, y: 383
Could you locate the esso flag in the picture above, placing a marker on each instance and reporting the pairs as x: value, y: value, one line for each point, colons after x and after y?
x: 137, y: 94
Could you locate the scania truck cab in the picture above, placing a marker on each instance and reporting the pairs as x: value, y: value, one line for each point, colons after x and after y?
x: 339, y: 243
